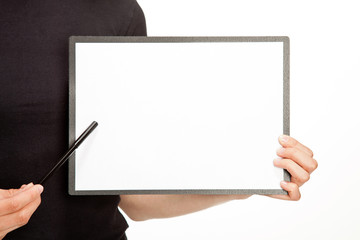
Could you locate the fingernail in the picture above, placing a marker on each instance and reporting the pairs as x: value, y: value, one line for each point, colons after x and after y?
x: 23, y: 186
x: 284, y: 138
x: 40, y: 188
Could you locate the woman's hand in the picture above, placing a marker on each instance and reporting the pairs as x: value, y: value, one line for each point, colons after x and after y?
x: 298, y: 160
x: 17, y: 206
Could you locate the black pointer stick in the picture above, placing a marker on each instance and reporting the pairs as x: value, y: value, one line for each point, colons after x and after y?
x: 71, y: 150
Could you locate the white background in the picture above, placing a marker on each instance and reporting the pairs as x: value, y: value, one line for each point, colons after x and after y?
x: 325, y: 115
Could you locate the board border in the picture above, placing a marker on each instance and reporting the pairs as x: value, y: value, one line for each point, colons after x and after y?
x: 130, y: 39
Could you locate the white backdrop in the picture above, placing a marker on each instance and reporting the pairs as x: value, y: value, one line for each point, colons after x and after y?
x: 325, y: 115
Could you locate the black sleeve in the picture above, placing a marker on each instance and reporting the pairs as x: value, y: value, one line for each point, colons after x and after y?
x: 137, y: 26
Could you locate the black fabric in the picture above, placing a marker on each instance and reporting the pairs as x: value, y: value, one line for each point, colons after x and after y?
x: 34, y: 108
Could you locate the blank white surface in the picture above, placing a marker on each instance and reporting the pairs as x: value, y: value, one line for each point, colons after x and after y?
x: 179, y: 115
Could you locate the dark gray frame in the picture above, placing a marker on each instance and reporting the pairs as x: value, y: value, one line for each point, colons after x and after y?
x: 92, y: 39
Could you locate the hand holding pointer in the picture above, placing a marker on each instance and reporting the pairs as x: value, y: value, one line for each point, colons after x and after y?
x: 17, y: 206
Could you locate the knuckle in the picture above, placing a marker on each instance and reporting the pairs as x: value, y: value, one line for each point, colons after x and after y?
x: 313, y: 165
x: 23, y: 218
x: 10, y: 193
x: 14, y: 205
x: 289, y: 152
x: 305, y: 178
x: 296, y: 195
x: 293, y: 151
x: 293, y: 187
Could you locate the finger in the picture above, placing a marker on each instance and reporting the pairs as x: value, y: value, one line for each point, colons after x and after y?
x: 287, y: 141
x: 20, y: 200
x: 292, y: 189
x: 12, y: 192
x: 24, y: 188
x: 296, y: 181
x: 297, y: 173
x: 7, y: 193
x: 17, y: 219
x: 300, y: 157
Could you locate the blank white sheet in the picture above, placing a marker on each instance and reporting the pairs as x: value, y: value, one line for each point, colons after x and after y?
x: 179, y: 116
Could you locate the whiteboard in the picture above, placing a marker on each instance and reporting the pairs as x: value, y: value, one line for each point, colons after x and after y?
x: 178, y: 115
